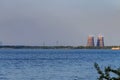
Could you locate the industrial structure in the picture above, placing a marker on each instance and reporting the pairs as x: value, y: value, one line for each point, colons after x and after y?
x: 100, y: 41
x: 90, y: 41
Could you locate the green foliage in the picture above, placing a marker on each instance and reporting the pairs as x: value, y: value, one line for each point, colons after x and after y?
x: 106, y: 74
x: 51, y: 47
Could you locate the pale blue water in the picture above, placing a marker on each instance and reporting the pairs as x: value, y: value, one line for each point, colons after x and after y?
x: 26, y: 64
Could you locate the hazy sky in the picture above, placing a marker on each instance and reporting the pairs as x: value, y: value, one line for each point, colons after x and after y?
x: 59, y: 22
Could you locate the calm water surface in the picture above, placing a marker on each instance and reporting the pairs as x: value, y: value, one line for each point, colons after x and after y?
x: 26, y: 64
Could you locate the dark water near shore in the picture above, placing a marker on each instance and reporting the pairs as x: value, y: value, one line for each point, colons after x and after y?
x: 46, y: 64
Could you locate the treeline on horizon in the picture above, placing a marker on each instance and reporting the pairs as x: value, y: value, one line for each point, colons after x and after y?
x: 52, y: 47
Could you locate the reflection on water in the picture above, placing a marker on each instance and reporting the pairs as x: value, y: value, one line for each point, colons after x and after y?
x: 54, y: 64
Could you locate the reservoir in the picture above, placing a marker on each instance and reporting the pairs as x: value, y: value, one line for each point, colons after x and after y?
x: 55, y: 64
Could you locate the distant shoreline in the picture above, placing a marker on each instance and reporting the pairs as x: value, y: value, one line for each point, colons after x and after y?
x: 52, y: 47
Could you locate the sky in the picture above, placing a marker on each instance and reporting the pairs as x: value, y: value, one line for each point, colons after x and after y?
x: 59, y: 22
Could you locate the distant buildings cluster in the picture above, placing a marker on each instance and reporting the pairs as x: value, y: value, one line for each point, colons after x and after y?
x: 100, y: 41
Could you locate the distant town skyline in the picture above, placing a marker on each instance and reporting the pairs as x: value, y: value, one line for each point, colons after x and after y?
x: 58, y: 22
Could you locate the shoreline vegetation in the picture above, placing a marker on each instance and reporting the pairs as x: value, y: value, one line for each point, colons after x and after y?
x: 106, y: 73
x: 52, y: 47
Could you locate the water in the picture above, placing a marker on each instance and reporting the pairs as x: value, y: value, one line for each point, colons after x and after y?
x: 26, y: 64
